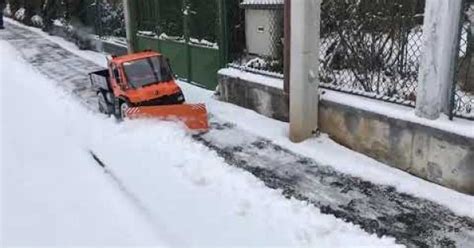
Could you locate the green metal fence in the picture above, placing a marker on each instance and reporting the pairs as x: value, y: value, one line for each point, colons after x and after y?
x: 188, y: 32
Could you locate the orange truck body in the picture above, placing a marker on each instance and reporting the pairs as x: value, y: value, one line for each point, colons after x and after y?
x: 142, y: 85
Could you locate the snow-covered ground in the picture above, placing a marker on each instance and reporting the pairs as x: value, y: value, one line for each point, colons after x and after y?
x: 52, y: 192
x: 99, y: 134
x: 165, y: 189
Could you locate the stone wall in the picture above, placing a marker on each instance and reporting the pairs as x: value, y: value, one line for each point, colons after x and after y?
x: 436, y: 155
x: 441, y: 157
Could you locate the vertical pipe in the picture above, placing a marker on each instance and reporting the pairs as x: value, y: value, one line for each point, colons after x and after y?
x: 287, y: 46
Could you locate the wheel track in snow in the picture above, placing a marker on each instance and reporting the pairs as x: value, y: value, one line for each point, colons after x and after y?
x: 375, y: 208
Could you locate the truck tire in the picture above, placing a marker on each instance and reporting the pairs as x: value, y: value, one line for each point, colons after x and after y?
x: 102, y: 104
x: 123, y: 110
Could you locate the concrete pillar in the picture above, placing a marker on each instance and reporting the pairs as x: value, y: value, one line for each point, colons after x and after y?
x: 304, y: 80
x: 130, y: 24
x: 439, y: 51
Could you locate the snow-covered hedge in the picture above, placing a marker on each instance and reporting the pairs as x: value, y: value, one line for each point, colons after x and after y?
x: 20, y: 14
x: 37, y: 21
x: 7, y: 11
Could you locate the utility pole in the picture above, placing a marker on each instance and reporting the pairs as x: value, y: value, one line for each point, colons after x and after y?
x: 304, y: 68
x: 439, y: 55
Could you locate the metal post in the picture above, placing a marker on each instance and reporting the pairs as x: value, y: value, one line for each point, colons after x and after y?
x: 186, y: 13
x: 130, y: 23
x: 455, y: 64
x: 440, y: 43
x: 223, y: 32
x: 287, y: 46
x: 304, y: 68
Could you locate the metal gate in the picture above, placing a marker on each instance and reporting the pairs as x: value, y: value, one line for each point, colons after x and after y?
x: 188, y: 32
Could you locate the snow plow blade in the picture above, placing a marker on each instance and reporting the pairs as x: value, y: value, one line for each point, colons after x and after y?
x: 194, y: 116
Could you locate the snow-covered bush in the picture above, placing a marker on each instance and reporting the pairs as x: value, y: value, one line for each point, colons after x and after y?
x: 20, y: 14
x: 111, y: 19
x: 37, y: 21
x: 7, y: 11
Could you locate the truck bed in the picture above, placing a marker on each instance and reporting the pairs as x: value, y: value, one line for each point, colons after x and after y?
x: 100, y: 79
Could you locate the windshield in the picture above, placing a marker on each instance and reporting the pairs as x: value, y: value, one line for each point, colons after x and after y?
x: 147, y: 71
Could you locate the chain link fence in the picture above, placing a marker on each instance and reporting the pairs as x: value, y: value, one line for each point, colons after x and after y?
x: 372, y: 48
x: 463, y: 90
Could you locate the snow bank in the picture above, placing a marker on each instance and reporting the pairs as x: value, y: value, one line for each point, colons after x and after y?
x: 54, y: 195
x: 52, y: 191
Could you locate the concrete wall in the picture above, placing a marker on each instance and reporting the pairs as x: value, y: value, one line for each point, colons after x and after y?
x: 266, y: 100
x: 439, y: 156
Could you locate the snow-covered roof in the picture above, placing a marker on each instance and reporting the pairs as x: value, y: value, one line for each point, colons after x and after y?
x: 262, y: 3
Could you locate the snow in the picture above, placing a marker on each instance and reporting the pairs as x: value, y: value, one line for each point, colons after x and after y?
x: 262, y: 2
x: 252, y: 77
x: 37, y: 20
x: 7, y: 11
x: 457, y: 126
x: 180, y: 39
x: 52, y: 192
x: 173, y: 191
x: 98, y: 58
x: 323, y: 149
x: 20, y: 14
x: 327, y: 152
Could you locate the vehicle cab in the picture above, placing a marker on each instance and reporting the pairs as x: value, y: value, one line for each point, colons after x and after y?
x: 143, y: 79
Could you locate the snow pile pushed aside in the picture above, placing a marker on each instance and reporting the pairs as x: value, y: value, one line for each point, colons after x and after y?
x: 54, y: 194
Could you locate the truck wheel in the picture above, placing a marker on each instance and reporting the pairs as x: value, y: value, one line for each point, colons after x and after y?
x: 123, y: 110
x: 103, y: 108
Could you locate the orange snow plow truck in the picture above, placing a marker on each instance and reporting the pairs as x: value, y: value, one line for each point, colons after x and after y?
x: 142, y: 85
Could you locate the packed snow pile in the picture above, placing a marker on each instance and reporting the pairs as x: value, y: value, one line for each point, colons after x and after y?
x: 178, y: 192
x: 52, y: 192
